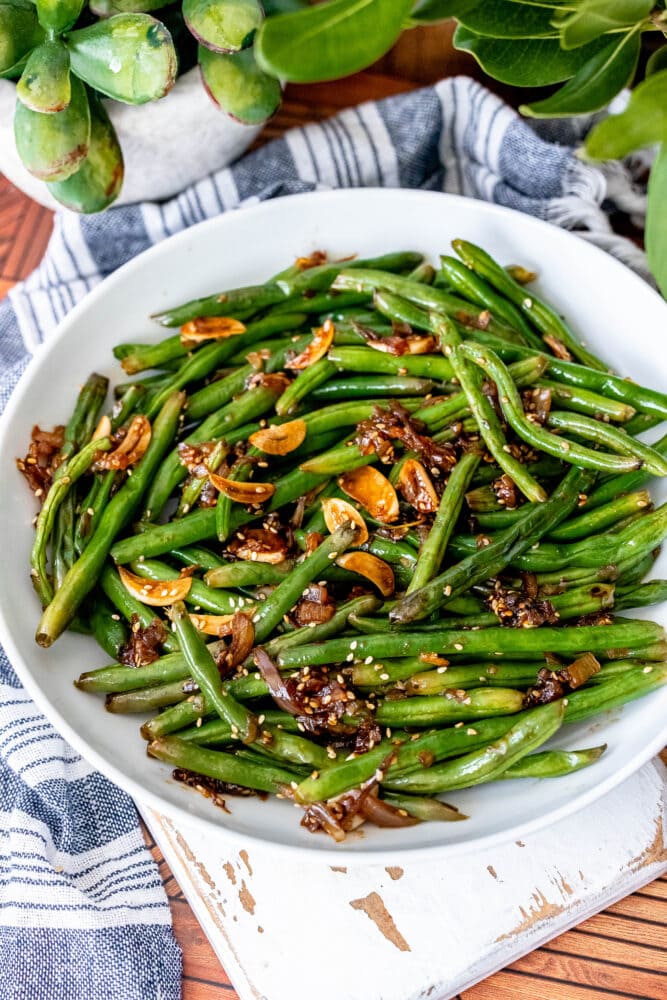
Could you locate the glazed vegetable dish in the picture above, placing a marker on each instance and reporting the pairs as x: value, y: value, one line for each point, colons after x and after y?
x: 358, y: 537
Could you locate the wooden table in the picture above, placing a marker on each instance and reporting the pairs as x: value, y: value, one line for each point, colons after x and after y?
x: 619, y: 953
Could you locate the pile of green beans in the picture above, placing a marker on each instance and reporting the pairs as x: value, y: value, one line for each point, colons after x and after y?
x: 459, y: 515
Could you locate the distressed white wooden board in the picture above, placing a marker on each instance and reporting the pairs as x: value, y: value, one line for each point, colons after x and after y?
x: 415, y: 929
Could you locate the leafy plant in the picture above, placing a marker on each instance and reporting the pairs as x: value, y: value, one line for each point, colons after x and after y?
x: 66, y: 54
x: 592, y: 48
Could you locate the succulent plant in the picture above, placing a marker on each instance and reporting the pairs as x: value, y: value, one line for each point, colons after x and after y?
x: 66, y: 55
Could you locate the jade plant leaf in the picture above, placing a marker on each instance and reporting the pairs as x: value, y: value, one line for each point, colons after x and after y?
x: 129, y: 57
x: 53, y: 146
x: 223, y: 25
x: 330, y: 40
x: 524, y: 62
x: 643, y: 122
x: 58, y: 15
x: 506, y: 19
x: 105, y: 8
x: 595, y: 84
x: 19, y: 33
x: 656, y: 220
x: 592, y: 18
x: 97, y: 182
x: 45, y: 83
x: 237, y: 84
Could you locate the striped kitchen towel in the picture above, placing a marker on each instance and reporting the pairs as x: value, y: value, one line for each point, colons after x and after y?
x: 82, y: 911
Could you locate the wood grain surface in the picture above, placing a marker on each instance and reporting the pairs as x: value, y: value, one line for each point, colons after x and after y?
x: 621, y: 953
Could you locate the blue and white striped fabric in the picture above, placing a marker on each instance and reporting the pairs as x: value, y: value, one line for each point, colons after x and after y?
x: 82, y: 911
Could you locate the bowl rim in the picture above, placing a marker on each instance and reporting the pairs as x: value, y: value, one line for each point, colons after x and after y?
x: 256, y: 839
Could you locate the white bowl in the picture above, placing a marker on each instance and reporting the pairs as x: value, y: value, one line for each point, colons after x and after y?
x: 167, y: 144
x: 618, y: 315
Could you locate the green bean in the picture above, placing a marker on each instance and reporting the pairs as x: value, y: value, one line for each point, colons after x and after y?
x: 240, y: 302
x: 305, y: 382
x: 469, y: 284
x: 613, y: 437
x: 70, y: 472
x: 91, y: 508
x: 533, y: 434
x: 127, y: 405
x: 218, y: 602
x: 491, y: 430
x: 370, y: 361
x: 368, y: 386
x: 196, y: 555
x: 63, y: 552
x: 425, y: 809
x: 326, y: 305
x: 143, y: 700
x: 138, y: 357
x: 217, y: 731
x: 553, y: 763
x: 321, y: 277
x: 82, y: 423
x: 270, y: 612
x: 614, y: 486
x: 590, y: 403
x: 617, y: 690
x: 593, y: 521
x: 516, y: 675
x: 492, y: 559
x: 532, y: 729
x: 483, y: 643
x: 452, y: 741
x: 205, y: 672
x: 262, y: 777
x: 547, y: 321
x: 341, y: 458
x: 641, y: 595
x: 84, y: 573
x: 109, y: 631
x: 248, y: 574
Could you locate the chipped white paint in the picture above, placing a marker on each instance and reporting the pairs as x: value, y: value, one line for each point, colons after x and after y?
x: 415, y: 929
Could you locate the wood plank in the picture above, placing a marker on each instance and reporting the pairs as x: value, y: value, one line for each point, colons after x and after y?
x: 611, y: 976
x: 512, y: 985
x: 611, y: 949
x: 630, y: 931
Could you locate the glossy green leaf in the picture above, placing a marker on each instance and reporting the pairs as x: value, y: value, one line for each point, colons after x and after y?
x: 106, y: 8
x: 223, y: 25
x: 656, y: 220
x: 504, y: 19
x: 45, y: 83
x: 657, y: 61
x: 431, y: 11
x: 237, y: 84
x: 525, y: 62
x: 595, y: 84
x: 97, y: 183
x: 272, y: 7
x: 58, y: 15
x: 129, y: 57
x: 19, y: 33
x: 330, y: 40
x: 643, y: 122
x: 52, y: 147
x: 592, y: 18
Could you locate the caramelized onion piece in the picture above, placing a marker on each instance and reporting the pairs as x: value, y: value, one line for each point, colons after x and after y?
x: 157, y: 593
x: 280, y: 439
x: 246, y: 493
x: 337, y: 512
x: 382, y: 814
x: 376, y: 570
x: 314, y: 259
x: 259, y: 545
x: 413, y: 343
x: 373, y: 491
x: 210, y: 328
x: 416, y: 487
x: 317, y: 348
x: 273, y: 680
x: 218, y: 625
x: 131, y: 449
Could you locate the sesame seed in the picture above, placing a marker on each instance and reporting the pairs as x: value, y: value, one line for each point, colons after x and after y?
x: 384, y: 677
x: 116, y: 618
x: 368, y: 660
x: 458, y: 645
x: 647, y: 670
x: 471, y: 732
x: 458, y: 725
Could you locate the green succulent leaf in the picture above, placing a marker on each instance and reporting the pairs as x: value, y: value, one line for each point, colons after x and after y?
x: 595, y: 84
x: 97, y: 182
x: 53, y: 146
x: 58, y: 15
x: 272, y: 7
x: 223, y: 25
x: 129, y: 57
x: 643, y: 122
x: 505, y: 19
x: 45, y: 83
x: 20, y: 31
x: 238, y: 86
x: 330, y: 40
x: 592, y: 18
x: 656, y: 220
x: 657, y: 61
x: 525, y: 62
x: 106, y: 8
